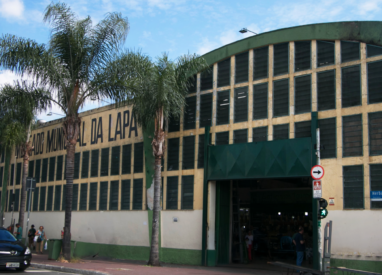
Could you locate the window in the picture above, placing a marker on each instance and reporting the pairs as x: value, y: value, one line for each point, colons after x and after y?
x: 240, y: 136
x: 352, y: 136
x: 260, y: 134
x: 328, y: 137
x: 260, y: 63
x: 125, y: 196
x: 302, y: 51
x: 1, y: 175
x: 60, y: 160
x: 174, y: 124
x: 375, y: 134
x: 37, y: 170
x: 224, y: 73
x: 280, y: 59
x: 349, y: 51
x: 17, y: 200
x: 94, y: 163
x: 65, y: 170
x: 374, y: 82
x: 77, y: 158
x: 114, y: 195
x: 325, y: 53
x: 188, y: 152
x: 192, y: 85
x: 373, y: 50
x: 115, y: 156
x: 222, y: 138
x: 201, y: 151
x: 104, y: 162
x: 137, y: 194
x: 222, y: 107
x: 281, y: 131
x: 353, y: 187
x: 84, y: 196
x: 93, y: 194
x: 126, y: 159
x: 205, y: 110
x: 281, y: 98
x: 241, y: 104
x: 49, y: 201
x: 375, y: 183
x: 190, y: 113
x: 138, y: 157
x: 35, y: 199
x: 85, y: 165
x: 104, y: 185
x: 18, y: 173
x: 52, y: 162
x: 241, y: 67
x: 64, y: 197
x: 57, y: 197
x: 187, y: 192
x: 173, y: 154
x: 260, y: 101
x: 326, y: 90
x: 75, y: 198
x: 351, y: 86
x: 172, y: 193
x: 42, y: 198
x: 206, y: 80
x: 12, y: 174
x: 302, y: 94
x: 302, y: 129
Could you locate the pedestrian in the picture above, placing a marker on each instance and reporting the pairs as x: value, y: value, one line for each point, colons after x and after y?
x: 31, y: 234
x: 41, y: 236
x: 299, y: 242
x: 249, y: 241
x: 19, y: 232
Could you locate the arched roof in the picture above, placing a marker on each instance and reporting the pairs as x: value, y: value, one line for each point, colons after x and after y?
x: 364, y: 31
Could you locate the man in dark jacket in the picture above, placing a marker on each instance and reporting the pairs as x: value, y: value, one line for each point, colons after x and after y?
x: 300, y: 245
x: 31, y: 234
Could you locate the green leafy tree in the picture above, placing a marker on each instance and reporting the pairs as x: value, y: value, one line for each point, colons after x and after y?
x: 157, y: 91
x: 19, y: 104
x: 73, y: 68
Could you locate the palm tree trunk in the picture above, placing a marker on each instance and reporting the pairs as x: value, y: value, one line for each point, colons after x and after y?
x: 24, y: 186
x: 8, y: 152
x: 154, y: 252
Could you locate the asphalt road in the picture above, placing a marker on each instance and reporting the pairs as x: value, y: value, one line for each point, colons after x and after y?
x: 33, y: 271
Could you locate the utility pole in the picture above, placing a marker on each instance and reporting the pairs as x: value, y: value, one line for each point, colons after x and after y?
x: 317, y: 201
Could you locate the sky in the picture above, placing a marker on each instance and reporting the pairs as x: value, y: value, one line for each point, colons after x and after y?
x: 179, y: 27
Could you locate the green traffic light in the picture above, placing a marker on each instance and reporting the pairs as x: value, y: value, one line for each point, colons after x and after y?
x: 323, y: 213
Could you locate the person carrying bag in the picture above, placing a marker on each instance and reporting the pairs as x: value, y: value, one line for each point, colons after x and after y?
x: 41, y: 236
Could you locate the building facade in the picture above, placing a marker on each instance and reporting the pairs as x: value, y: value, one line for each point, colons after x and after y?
x: 267, y: 91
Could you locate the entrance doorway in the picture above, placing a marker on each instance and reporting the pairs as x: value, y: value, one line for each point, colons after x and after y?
x: 272, y: 210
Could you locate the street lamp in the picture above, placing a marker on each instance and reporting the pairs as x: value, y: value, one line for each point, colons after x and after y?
x: 50, y: 113
x: 244, y: 30
x: 94, y: 98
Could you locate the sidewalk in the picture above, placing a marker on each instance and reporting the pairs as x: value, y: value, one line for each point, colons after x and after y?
x: 119, y: 267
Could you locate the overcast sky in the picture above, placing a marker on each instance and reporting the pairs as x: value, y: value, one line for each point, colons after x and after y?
x: 181, y: 26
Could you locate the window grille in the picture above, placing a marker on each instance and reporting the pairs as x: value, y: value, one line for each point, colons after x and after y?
x: 206, y: 79
x: 281, y: 98
x: 93, y: 194
x: 1, y: 175
x: 281, y: 59
x: 18, y: 173
x: 190, y: 113
x: 281, y: 131
x: 60, y: 161
x: 241, y: 104
x: 260, y: 134
x: 353, y: 187
x: 376, y: 183
x: 126, y: 159
x: 201, y: 151
x: 260, y: 63
x: 302, y: 129
x: 104, y: 162
x: 31, y: 168
x: 187, y: 192
x: 205, y: 111
x: 115, y: 156
x: 325, y: 53
x: 302, y: 55
x: 75, y: 197
x: 173, y: 154
x: 174, y: 124
x: 328, y: 137
x: 94, y: 163
x: 375, y: 134
x: 52, y: 162
x: 85, y: 165
x: 352, y: 136
x: 12, y: 174
x: 137, y: 194
x: 35, y: 199
x: 188, y: 152
x: 49, y: 201
x: 326, y: 90
x: 222, y: 107
x: 84, y: 196
x: 302, y: 94
x: 37, y: 170
x: 351, y: 86
x: 222, y: 138
x: 349, y: 51
x: 374, y: 82
x: 42, y: 198
x: 57, y: 198
x: 224, y: 73
x: 103, y: 192
x: 373, y: 50
x: 17, y: 200
x: 240, y: 136
x: 114, y: 195
x: 172, y: 193
x: 192, y: 85
x: 125, y: 196
x: 138, y: 157
x: 260, y: 101
x: 77, y: 158
x: 241, y: 67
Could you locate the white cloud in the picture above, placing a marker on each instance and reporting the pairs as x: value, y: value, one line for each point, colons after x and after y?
x: 206, y: 46
x: 12, y: 9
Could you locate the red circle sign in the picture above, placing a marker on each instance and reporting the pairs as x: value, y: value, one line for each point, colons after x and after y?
x: 317, y: 172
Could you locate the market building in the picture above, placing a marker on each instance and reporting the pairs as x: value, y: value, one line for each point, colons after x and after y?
x: 262, y: 102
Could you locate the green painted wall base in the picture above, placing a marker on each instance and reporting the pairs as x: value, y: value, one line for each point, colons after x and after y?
x: 372, y: 266
x: 211, y: 257
x: 140, y: 253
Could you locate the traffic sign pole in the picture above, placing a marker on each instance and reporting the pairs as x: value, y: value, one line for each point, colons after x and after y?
x: 318, y: 153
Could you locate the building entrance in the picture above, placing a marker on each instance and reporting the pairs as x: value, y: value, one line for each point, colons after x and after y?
x: 271, y: 210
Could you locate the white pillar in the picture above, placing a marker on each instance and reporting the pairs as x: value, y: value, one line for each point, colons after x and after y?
x: 211, y: 215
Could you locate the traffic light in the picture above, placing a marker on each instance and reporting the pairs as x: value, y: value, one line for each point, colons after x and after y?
x: 322, y: 211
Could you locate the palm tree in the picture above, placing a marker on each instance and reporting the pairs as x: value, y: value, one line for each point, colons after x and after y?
x: 72, y: 67
x: 19, y: 104
x: 157, y: 93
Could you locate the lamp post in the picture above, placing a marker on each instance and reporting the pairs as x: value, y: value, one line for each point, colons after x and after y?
x: 94, y: 98
x: 51, y: 113
x: 244, y: 30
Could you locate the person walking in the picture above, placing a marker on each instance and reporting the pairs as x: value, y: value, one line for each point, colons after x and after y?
x: 299, y: 242
x: 31, y: 234
x: 249, y: 240
x: 41, y: 236
x: 19, y: 232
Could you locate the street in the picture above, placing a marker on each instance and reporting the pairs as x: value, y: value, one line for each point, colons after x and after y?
x: 34, y: 271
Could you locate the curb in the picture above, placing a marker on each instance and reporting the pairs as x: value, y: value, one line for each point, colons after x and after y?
x: 68, y: 269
